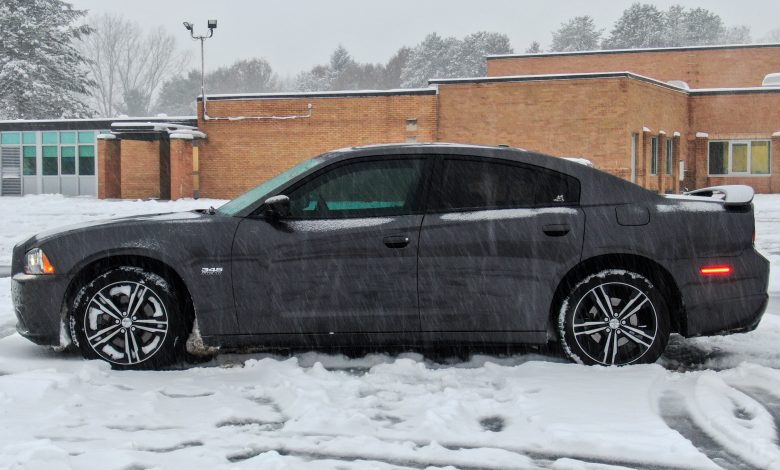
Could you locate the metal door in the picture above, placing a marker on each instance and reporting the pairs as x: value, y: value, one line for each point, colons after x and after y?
x: 10, y: 171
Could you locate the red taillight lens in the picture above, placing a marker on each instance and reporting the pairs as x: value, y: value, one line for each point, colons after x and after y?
x: 715, y: 270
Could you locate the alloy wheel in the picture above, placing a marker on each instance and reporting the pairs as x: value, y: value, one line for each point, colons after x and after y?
x: 125, y: 323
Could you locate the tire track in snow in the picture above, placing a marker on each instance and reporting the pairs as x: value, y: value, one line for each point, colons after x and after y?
x: 769, y: 400
x: 674, y: 412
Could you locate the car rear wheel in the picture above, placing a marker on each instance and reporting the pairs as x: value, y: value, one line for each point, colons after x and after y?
x: 130, y: 318
x: 614, y: 317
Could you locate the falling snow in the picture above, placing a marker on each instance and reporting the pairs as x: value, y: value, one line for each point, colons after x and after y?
x: 708, y: 403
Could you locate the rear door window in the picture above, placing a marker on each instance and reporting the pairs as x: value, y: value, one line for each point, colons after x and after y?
x: 477, y: 184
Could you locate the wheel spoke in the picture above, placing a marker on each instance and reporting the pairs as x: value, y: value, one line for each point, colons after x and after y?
x: 132, y: 297
x: 634, y: 310
x: 629, y: 304
x: 601, y: 307
x: 103, y: 309
x: 140, y: 301
x: 606, y: 346
x: 636, y: 340
x: 154, y: 322
x: 107, y: 338
x: 127, y: 348
x: 150, y: 330
x: 591, y: 331
x: 608, y: 301
x: 614, y: 347
x: 639, y: 332
x: 588, y: 323
x: 135, y: 346
x: 101, y: 332
x: 108, y: 302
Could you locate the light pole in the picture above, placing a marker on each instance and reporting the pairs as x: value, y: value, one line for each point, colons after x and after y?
x: 212, y: 25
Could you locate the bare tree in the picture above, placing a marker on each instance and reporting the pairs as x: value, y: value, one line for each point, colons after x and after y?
x: 129, y: 64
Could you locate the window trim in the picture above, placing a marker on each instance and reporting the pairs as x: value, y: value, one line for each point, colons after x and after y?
x: 654, y: 156
x: 748, y: 174
x: 437, y: 176
x: 422, y: 189
x: 669, y: 157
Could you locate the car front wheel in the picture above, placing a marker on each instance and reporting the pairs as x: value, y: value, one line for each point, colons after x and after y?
x: 614, y: 317
x: 130, y: 318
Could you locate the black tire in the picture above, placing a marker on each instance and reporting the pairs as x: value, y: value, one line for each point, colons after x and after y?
x: 130, y: 318
x: 632, y: 329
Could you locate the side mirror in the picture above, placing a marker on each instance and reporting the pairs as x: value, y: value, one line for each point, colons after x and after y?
x: 277, y: 207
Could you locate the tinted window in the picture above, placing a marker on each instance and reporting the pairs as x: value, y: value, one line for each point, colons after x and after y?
x: 473, y: 184
x: 363, y: 189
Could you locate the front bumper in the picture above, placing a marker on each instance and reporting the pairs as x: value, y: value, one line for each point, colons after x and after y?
x: 37, y: 303
x: 735, y: 303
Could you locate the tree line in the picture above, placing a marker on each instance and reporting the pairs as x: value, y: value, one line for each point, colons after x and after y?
x: 55, y: 62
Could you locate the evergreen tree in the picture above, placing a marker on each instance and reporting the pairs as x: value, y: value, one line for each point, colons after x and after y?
x: 577, y: 34
x: 41, y: 72
x: 534, y: 48
x: 703, y: 27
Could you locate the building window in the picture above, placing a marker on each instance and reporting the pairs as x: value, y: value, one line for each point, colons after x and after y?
x: 49, y: 165
x: 739, y: 157
x: 654, y: 156
x: 669, y: 156
x: 9, y: 138
x: 634, y: 159
x: 411, y: 125
x: 29, y: 160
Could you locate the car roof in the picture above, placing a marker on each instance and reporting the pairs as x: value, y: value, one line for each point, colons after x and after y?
x: 596, y: 186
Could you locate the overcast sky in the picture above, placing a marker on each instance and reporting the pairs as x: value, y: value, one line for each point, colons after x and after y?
x: 293, y: 35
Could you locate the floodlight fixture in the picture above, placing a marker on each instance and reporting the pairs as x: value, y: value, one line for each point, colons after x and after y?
x: 212, y: 24
x: 188, y: 25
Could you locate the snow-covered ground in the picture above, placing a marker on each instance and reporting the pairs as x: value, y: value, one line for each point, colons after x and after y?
x: 709, y: 403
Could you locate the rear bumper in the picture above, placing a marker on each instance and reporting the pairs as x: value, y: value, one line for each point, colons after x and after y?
x: 38, y: 307
x: 735, y: 303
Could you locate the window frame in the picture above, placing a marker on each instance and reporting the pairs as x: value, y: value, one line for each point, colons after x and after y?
x: 421, y: 196
x: 437, y: 176
x: 749, y: 173
x: 669, y: 170
x: 654, y: 156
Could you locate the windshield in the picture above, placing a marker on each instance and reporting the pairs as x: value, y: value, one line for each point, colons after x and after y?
x: 263, y: 190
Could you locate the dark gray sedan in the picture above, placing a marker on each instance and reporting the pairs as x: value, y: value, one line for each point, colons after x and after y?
x: 411, y: 245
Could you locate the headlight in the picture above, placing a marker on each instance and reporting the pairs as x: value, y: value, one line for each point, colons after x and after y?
x: 37, y: 262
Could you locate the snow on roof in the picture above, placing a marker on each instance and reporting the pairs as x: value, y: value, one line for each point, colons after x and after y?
x: 662, y: 132
x: 638, y: 50
x: 676, y: 134
x: 734, y: 90
x: 646, y: 129
x: 321, y: 94
x: 186, y: 134
x: 702, y: 135
x: 153, y: 118
x: 554, y: 76
x: 771, y: 79
x: 776, y: 134
x: 679, y: 84
x: 106, y: 136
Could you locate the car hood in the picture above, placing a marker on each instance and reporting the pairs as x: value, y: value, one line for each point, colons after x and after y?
x: 135, y: 220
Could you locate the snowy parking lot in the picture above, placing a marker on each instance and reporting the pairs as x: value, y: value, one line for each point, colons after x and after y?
x: 709, y: 402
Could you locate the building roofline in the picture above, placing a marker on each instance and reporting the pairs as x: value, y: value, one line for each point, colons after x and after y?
x: 632, y: 51
x: 553, y: 77
x: 322, y: 94
x: 84, y: 124
x: 734, y: 91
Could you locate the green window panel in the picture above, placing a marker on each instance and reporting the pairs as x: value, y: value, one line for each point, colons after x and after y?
x: 49, y: 138
x: 10, y: 138
x: 67, y: 137
x: 30, y: 138
x: 86, y: 160
x: 86, y: 150
x: 29, y: 164
x: 68, y: 160
x: 49, y: 151
x: 87, y: 137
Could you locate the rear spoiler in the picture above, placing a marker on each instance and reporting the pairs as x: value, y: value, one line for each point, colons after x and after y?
x: 731, y: 195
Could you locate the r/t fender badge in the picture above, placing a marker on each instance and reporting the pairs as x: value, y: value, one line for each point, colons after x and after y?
x: 210, y: 271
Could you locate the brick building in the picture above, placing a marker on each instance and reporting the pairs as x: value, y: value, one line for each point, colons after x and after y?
x: 638, y: 114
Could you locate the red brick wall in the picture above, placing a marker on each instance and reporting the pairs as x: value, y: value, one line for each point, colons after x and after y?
x: 140, y: 169
x: 181, y: 168
x: 742, y: 67
x: 240, y: 154
x: 744, y: 116
x: 109, y: 169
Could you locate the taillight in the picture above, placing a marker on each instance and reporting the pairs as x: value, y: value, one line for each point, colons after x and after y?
x: 715, y: 270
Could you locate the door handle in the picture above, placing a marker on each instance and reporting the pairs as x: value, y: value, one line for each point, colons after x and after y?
x: 396, y: 241
x: 556, y: 230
